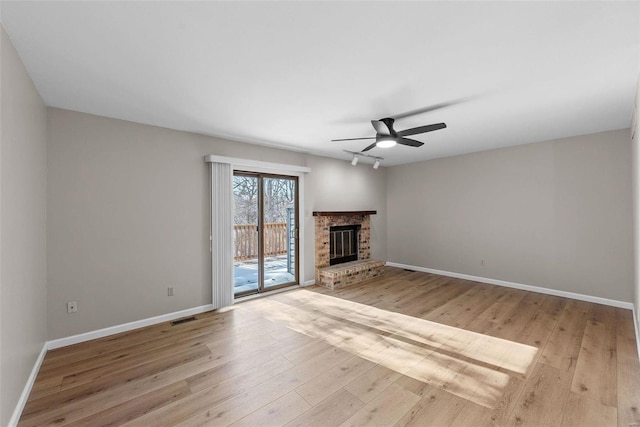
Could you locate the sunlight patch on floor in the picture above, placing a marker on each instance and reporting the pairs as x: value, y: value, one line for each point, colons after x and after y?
x: 509, y: 355
x: 468, y: 364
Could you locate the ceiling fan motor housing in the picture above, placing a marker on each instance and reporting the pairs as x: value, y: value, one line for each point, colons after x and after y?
x: 389, y: 123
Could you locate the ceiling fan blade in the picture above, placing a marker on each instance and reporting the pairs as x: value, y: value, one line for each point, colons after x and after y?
x: 369, y: 147
x: 422, y: 129
x: 430, y: 108
x: 352, y: 139
x: 409, y: 142
x: 380, y: 127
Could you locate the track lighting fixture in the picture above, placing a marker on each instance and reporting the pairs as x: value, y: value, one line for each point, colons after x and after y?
x: 377, y: 161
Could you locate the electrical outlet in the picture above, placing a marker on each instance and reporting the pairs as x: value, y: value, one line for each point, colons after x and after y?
x: 170, y: 291
x: 72, y: 306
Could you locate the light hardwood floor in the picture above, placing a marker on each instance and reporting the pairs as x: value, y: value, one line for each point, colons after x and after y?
x: 408, y: 348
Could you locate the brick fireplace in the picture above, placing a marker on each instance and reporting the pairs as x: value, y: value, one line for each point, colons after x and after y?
x: 338, y: 275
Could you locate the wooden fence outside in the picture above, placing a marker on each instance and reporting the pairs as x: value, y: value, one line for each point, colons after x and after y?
x: 245, y: 238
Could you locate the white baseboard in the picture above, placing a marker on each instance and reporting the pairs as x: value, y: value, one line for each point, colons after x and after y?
x: 548, y: 291
x: 17, y: 412
x: 100, y: 333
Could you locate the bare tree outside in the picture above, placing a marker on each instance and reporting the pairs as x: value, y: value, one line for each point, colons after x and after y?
x: 279, y: 194
x: 245, y: 193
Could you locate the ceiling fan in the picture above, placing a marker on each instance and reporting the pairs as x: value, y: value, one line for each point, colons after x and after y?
x: 386, y: 136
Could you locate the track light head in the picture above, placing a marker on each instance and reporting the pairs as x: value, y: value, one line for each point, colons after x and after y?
x: 376, y: 164
x: 355, y: 159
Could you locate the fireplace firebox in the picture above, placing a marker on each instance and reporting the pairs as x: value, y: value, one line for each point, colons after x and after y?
x: 343, y: 243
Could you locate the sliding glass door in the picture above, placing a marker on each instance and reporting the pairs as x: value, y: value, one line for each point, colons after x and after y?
x: 265, y: 232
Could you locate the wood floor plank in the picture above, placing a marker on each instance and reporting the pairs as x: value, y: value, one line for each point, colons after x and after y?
x: 372, y: 382
x: 133, y: 408
x: 407, y: 348
x: 505, y: 404
x: 106, y: 394
x: 628, y: 370
x: 277, y: 413
x: 218, y: 382
x: 503, y: 306
x: 472, y: 382
x: 412, y: 289
x: 306, y: 352
x: 436, y: 407
x: 351, y: 336
x: 90, y: 374
x: 332, y: 380
x: 532, y: 321
x: 473, y: 415
x: 596, y: 368
x: 582, y: 411
x: 439, y: 408
x: 458, y: 311
x: 543, y: 399
x: 46, y: 386
x: 135, y: 381
x: 231, y: 400
x: 604, y: 314
x: 243, y: 404
x: 435, y: 298
x: 78, y: 407
x: 332, y: 411
x: 385, y: 409
x: 563, y: 346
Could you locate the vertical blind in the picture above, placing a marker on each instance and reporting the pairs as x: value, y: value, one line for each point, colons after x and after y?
x: 221, y: 234
x: 222, y: 218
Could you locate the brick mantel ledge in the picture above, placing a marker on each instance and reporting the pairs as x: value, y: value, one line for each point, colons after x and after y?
x: 344, y: 213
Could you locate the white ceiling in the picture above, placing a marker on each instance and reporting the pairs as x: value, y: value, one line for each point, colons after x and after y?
x: 298, y: 74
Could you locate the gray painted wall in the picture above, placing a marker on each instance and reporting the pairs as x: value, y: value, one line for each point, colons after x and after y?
x: 554, y: 214
x: 128, y: 216
x: 23, y: 308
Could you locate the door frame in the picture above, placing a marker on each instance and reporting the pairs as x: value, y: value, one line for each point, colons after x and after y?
x: 261, y: 229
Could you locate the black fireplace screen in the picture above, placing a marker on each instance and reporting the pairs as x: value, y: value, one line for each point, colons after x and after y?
x: 343, y: 241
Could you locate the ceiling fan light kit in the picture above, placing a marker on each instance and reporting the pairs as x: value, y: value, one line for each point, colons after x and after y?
x: 386, y: 143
